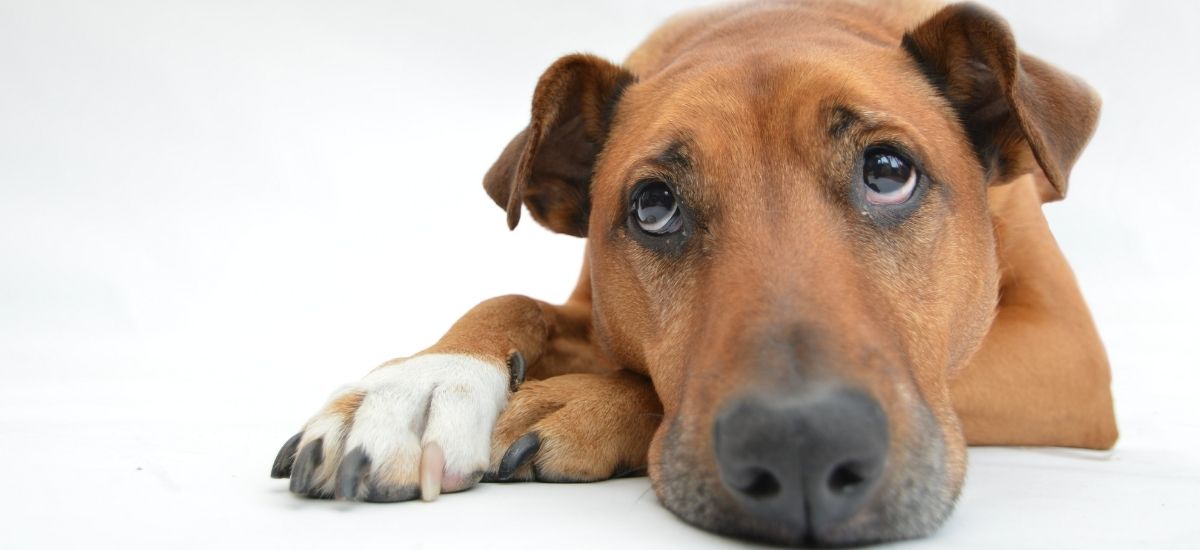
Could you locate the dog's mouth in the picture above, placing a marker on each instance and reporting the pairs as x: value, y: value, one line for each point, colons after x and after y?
x: 822, y: 468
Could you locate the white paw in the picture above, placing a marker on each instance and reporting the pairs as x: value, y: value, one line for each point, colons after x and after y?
x: 420, y: 426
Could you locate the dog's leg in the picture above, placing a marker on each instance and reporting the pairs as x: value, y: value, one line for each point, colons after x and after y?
x: 1041, y: 376
x: 422, y: 425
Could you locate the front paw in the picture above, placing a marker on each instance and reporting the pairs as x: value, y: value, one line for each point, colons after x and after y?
x: 418, y: 426
x: 576, y: 427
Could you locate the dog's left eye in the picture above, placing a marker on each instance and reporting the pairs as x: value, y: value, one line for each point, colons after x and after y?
x: 889, y: 178
x: 655, y: 209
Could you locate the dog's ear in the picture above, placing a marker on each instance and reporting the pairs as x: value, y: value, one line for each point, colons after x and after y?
x: 548, y: 166
x: 1020, y: 113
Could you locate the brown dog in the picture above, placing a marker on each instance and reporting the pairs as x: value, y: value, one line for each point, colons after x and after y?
x: 817, y: 269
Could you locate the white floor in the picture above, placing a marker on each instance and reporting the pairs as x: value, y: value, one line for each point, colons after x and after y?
x: 212, y: 214
x: 97, y: 464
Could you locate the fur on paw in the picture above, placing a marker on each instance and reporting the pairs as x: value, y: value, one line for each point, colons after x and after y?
x: 414, y: 427
x: 576, y: 428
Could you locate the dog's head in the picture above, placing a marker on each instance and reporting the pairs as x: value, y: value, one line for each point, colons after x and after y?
x: 789, y: 232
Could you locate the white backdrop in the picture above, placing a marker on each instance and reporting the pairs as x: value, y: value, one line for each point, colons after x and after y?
x: 213, y: 213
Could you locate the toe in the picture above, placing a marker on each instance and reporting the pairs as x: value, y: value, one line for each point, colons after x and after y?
x: 352, y: 473
x: 307, y: 461
x: 379, y: 492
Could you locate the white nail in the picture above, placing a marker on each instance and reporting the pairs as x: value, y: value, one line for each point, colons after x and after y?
x: 433, y: 462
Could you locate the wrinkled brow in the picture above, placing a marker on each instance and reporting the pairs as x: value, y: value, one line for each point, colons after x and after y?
x: 676, y: 157
x: 842, y: 120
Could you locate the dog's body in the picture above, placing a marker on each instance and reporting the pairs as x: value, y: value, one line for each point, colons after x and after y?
x: 801, y: 298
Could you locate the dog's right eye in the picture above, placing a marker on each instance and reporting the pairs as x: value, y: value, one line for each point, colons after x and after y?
x: 655, y: 209
x: 888, y: 176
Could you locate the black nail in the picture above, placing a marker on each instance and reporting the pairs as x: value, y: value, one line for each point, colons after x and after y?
x: 516, y: 370
x: 351, y: 473
x: 379, y: 493
x: 518, y: 454
x: 282, y: 467
x: 307, y: 461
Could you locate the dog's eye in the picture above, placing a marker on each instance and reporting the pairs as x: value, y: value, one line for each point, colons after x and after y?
x: 655, y: 209
x: 888, y: 176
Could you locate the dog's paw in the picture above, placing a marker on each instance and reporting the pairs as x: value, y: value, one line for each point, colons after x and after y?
x: 414, y: 427
x: 575, y: 428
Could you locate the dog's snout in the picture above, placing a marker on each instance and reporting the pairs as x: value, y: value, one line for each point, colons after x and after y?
x: 809, y: 460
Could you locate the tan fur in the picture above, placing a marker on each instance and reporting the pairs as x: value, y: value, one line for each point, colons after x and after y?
x: 963, y: 321
x: 564, y: 411
x: 980, y: 304
x: 1041, y: 377
x: 347, y: 405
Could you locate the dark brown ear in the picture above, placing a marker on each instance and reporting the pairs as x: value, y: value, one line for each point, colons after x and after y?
x: 548, y: 166
x: 1020, y: 113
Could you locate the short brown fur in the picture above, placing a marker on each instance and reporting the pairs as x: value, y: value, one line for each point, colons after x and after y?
x: 962, y: 319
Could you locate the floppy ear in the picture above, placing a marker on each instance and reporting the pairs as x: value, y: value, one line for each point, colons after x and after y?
x: 548, y: 166
x: 1020, y: 113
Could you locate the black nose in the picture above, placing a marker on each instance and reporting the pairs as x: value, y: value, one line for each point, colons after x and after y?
x: 809, y: 459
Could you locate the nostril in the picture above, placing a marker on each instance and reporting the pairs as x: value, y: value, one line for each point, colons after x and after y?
x: 846, y: 477
x: 762, y: 485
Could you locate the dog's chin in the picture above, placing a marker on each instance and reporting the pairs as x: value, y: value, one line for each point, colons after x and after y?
x: 914, y: 499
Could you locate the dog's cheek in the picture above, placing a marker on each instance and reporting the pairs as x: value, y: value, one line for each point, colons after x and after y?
x: 972, y: 278
x: 620, y: 312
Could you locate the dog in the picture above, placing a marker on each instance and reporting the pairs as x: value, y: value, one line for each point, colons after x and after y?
x: 816, y: 270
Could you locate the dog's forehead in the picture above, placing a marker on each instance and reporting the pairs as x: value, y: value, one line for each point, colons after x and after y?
x: 761, y: 105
